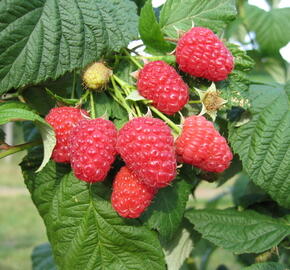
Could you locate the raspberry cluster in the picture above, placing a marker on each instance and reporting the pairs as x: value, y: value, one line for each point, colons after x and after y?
x: 88, y: 144
x: 146, y: 144
x: 91, y: 145
x: 200, y: 53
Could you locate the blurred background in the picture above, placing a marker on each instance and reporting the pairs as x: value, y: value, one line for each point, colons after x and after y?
x: 21, y: 227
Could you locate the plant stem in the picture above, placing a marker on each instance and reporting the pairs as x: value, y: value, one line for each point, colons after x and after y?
x: 136, y: 47
x: 122, y: 102
x: 84, y: 97
x: 125, y: 85
x: 133, y: 59
x: 139, y: 113
x: 166, y: 58
x: 127, y: 89
x: 194, y: 101
x: 166, y: 119
x: 92, y: 105
x: 175, y: 40
x: 73, y: 86
x: 117, y: 95
x: 122, y: 83
x: 18, y: 148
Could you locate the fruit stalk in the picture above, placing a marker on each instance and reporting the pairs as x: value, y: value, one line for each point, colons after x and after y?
x: 118, y: 97
x: 125, y: 85
x: 170, y: 123
x: 92, y: 105
x: 133, y: 59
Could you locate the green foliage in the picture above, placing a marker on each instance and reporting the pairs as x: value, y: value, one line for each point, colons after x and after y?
x: 42, y: 258
x: 39, y: 99
x: 182, y: 14
x: 265, y: 266
x: 44, y: 46
x: 150, y: 32
x: 272, y: 28
x: 102, y: 104
x: 239, y: 231
x: 263, y: 143
x: 65, y: 101
x: 165, y: 215
x: 16, y: 111
x: 139, y: 3
x: 83, y: 228
x: 179, y: 248
x: 235, y: 89
x: 135, y: 96
x: 45, y: 39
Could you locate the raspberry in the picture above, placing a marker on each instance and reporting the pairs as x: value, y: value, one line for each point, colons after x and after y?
x: 160, y: 83
x: 201, y: 145
x: 201, y: 53
x: 96, y: 76
x: 147, y: 147
x: 63, y: 119
x: 92, y: 149
x: 130, y: 196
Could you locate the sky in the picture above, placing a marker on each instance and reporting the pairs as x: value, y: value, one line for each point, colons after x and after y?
x: 285, y: 51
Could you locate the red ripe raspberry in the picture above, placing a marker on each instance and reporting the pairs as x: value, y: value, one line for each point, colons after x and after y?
x: 63, y: 119
x: 201, y: 53
x: 160, y: 83
x: 130, y: 196
x: 92, y: 149
x: 147, y: 147
x: 201, y: 145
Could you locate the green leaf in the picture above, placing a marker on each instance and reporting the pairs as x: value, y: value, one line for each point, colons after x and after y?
x: 274, y: 3
x: 243, y: 62
x: 42, y: 258
x: 16, y: 111
x: 150, y: 32
x: 177, y: 250
x: 102, y: 104
x: 245, y: 193
x: 45, y: 39
x: 118, y: 111
x: 235, y: 88
x: 265, y: 266
x: 240, y: 232
x: 139, y: 3
x: 166, y: 212
x: 38, y: 99
x: 181, y: 14
x: 69, y: 101
x: 287, y: 89
x: 263, y: 144
x: 135, y: 96
x: 119, y: 114
x: 272, y: 28
x: 124, y: 70
x: 82, y: 227
x: 276, y: 69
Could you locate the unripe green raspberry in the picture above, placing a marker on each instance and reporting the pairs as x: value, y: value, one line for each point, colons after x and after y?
x: 96, y: 76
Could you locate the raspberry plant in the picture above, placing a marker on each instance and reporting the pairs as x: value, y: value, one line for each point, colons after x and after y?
x: 72, y: 169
